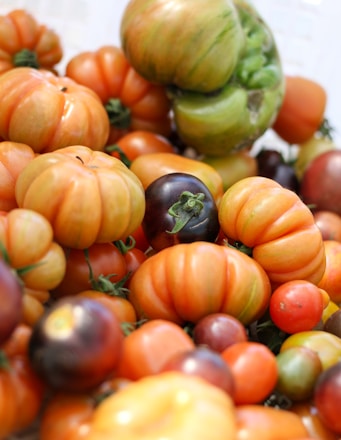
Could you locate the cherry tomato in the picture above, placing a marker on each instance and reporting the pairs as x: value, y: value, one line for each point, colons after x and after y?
x: 255, y: 371
x: 296, y: 306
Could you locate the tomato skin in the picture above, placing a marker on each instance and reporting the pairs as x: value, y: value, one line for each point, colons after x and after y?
x: 107, y: 71
x: 250, y: 213
x: 20, y: 32
x: 329, y: 224
x: 179, y: 209
x: 152, y: 166
x: 254, y: 369
x: 69, y: 113
x: 296, y: 306
x: 109, y: 197
x: 177, y: 283
x: 331, y: 279
x: 302, y: 110
x: 153, y: 344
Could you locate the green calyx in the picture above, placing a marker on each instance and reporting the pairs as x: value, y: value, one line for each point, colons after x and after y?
x: 188, y: 206
x: 119, y: 115
x: 26, y: 58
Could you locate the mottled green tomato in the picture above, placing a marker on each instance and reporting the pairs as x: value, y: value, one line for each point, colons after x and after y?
x: 192, y: 44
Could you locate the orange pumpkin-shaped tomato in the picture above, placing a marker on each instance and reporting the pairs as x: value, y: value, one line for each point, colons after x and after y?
x: 132, y: 102
x: 26, y: 239
x: 88, y: 196
x: 13, y: 158
x: 22, y: 391
x: 25, y: 42
x: 278, y: 227
x: 47, y: 112
x: 184, y: 282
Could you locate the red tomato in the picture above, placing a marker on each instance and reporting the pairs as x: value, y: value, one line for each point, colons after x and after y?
x: 302, y: 110
x: 255, y: 371
x: 296, y: 306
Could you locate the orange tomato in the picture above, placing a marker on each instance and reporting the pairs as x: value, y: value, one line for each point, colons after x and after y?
x: 132, y: 102
x: 331, y: 280
x: 302, y: 110
x: 254, y: 369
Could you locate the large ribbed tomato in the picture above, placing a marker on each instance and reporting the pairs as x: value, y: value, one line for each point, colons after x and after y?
x: 25, y: 42
x: 88, y: 196
x: 184, y: 282
x: 47, y: 112
x: 278, y: 227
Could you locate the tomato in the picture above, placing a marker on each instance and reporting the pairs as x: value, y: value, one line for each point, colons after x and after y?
x: 329, y: 224
x: 99, y: 267
x: 267, y: 423
x: 68, y: 113
x: 25, y: 42
x: 170, y: 404
x: 321, y: 182
x: 22, y: 389
x: 296, y: 306
x: 76, y: 344
x: 13, y: 159
x: 298, y: 371
x: 27, y: 240
x: 179, y: 209
x: 327, y: 397
x: 277, y: 226
x: 11, y: 298
x: 215, y: 29
x: 326, y: 345
x: 152, y: 166
x: 187, y: 281
x: 109, y: 197
x: 302, y: 110
x: 254, y: 369
x: 131, y: 145
x: 132, y: 102
x: 34, y: 303
x: 234, y: 166
x: 331, y: 280
x: 133, y: 256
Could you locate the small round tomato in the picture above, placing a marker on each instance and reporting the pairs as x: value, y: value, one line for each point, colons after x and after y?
x: 179, y: 209
x: 329, y: 224
x: 296, y: 306
x: 255, y: 371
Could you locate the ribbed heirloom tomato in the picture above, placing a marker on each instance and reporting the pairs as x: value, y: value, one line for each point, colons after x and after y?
x: 277, y: 226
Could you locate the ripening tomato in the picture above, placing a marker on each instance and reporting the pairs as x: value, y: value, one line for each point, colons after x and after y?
x: 187, y: 281
x: 255, y: 371
x: 277, y: 226
x: 132, y: 102
x: 302, y: 110
x: 25, y: 42
x: 296, y: 306
x: 96, y: 198
x: 68, y: 113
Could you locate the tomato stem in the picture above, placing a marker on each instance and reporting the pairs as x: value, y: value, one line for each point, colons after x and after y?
x: 189, y: 205
x: 4, y: 362
x: 116, y: 149
x: 119, y: 115
x: 26, y: 58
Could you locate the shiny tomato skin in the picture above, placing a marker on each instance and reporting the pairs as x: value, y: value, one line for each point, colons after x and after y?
x: 296, y: 306
x: 194, y: 210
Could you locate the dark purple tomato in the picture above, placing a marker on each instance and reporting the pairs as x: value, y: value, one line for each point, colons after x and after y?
x: 333, y: 323
x: 204, y: 363
x: 321, y: 182
x: 11, y: 300
x: 271, y: 164
x: 218, y: 331
x: 179, y: 209
x: 76, y: 344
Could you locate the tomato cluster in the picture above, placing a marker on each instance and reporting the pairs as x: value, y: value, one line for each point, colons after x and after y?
x: 148, y: 289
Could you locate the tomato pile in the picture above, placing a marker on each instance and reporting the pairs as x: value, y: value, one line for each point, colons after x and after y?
x: 159, y: 278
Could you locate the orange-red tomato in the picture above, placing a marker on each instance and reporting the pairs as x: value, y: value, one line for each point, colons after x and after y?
x: 25, y: 42
x: 132, y: 102
x: 331, y: 280
x: 302, y: 110
x: 150, y: 346
x: 185, y: 282
x: 68, y: 113
x: 277, y: 226
x: 13, y: 159
x: 254, y: 369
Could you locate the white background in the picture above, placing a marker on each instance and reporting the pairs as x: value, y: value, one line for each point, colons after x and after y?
x: 308, y: 34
